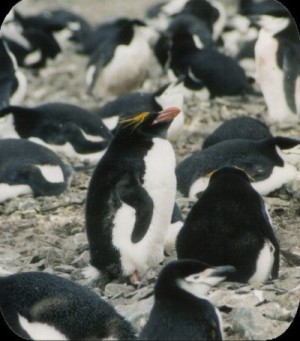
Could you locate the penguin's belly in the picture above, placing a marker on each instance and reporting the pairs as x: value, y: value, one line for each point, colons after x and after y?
x: 160, y: 183
x: 270, y: 77
x: 40, y: 331
x: 264, y: 263
x: 127, y: 70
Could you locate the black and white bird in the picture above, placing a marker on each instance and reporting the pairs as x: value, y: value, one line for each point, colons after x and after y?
x: 230, y: 225
x: 44, y: 306
x: 242, y: 127
x: 206, y: 68
x: 270, y: 163
x: 120, y: 62
x: 181, y: 309
x: 130, y: 104
x: 13, y: 83
x: 277, y: 59
x: 211, y: 13
x: 62, y: 127
x: 131, y: 197
x: 28, y: 168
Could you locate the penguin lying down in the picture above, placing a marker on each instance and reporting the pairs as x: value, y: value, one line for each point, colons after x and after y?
x: 131, y: 197
x: 29, y: 168
x: 43, y: 306
x: 269, y: 162
x: 181, y: 311
x: 229, y: 225
x: 64, y: 128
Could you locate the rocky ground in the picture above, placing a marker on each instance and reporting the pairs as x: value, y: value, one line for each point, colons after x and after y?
x: 48, y: 234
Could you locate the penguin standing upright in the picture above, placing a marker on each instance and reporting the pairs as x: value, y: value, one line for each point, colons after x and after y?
x: 229, y: 225
x: 120, y: 63
x: 43, y: 306
x: 277, y: 59
x: 130, y: 104
x: 181, y: 311
x: 131, y: 197
x: 62, y: 127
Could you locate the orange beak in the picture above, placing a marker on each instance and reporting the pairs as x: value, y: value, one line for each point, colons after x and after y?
x: 167, y: 115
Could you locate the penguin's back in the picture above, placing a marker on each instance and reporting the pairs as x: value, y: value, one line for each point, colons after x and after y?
x: 35, y: 300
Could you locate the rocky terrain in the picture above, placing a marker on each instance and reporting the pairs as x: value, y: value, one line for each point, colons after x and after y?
x: 48, y: 233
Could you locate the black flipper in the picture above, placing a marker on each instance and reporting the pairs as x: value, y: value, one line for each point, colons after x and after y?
x: 132, y: 193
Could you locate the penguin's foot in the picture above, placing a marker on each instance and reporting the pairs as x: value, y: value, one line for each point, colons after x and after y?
x: 135, y: 278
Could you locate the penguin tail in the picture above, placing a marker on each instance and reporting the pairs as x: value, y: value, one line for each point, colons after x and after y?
x: 9, y: 108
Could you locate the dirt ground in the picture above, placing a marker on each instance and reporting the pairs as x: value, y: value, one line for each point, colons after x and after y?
x: 48, y: 234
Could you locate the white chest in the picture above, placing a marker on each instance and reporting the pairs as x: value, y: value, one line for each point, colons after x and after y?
x: 7, y: 128
x: 160, y: 183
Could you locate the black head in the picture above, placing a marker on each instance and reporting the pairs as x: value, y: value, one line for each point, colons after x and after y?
x: 147, y: 124
x: 228, y: 173
x: 190, y: 276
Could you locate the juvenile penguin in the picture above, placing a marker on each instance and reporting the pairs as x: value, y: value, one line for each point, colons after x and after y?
x: 277, y: 59
x: 181, y: 310
x: 269, y: 162
x: 131, y: 196
x: 108, y: 70
x: 44, y: 306
x: 13, y: 83
x: 65, y: 128
x: 229, y: 224
x: 243, y: 127
x: 28, y: 168
x: 130, y: 104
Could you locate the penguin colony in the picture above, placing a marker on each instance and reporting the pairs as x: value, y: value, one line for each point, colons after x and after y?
x: 131, y: 216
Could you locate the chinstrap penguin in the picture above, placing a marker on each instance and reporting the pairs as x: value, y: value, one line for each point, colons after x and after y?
x: 64, y: 128
x: 44, y: 306
x: 131, y: 196
x: 181, y: 310
x: 28, y: 168
x: 229, y: 225
x: 270, y: 163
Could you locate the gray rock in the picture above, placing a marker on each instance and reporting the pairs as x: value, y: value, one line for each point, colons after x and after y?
x: 251, y: 324
x: 137, y: 312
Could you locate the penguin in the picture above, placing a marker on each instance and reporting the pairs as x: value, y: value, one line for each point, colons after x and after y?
x: 269, y: 162
x: 44, y: 306
x: 130, y: 104
x: 277, y: 60
x: 259, y: 7
x: 28, y: 168
x: 62, y: 127
x: 130, y: 198
x: 181, y: 309
x: 13, y: 83
x: 108, y: 72
x: 242, y: 127
x: 32, y: 48
x: 211, y: 13
x: 60, y: 24
x: 195, y: 27
x: 229, y: 225
x: 206, y: 68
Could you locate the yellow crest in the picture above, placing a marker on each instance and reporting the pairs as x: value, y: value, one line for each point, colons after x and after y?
x: 136, y: 120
